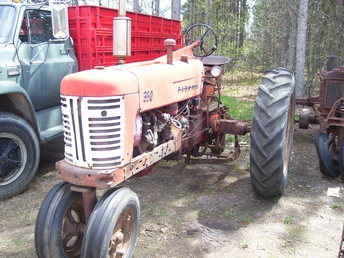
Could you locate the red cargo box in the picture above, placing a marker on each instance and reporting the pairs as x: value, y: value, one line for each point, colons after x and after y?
x: 91, y: 29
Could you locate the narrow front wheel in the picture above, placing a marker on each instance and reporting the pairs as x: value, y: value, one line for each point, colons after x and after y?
x: 113, y: 226
x: 60, y: 224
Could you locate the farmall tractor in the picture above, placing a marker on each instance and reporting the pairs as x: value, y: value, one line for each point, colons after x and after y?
x: 120, y: 121
x: 327, y: 110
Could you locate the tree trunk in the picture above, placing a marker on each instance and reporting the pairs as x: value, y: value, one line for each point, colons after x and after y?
x: 301, y: 48
x: 156, y: 7
x: 292, y: 42
x: 209, y: 11
x: 176, y: 6
x: 137, y: 7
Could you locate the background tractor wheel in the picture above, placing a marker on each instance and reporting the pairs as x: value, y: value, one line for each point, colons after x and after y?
x: 341, y: 159
x: 272, y: 133
x: 305, y: 118
x: 113, y: 226
x: 19, y: 155
x: 60, y: 224
x: 324, y: 145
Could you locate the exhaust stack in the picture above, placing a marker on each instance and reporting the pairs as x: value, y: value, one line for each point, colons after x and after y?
x: 121, y: 34
x: 169, y: 44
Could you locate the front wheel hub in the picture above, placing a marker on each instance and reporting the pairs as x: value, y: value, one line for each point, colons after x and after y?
x: 13, y: 157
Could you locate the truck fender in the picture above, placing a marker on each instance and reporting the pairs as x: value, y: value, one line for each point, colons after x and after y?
x: 14, y: 99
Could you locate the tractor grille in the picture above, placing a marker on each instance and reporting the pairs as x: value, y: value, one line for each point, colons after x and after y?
x: 93, y: 131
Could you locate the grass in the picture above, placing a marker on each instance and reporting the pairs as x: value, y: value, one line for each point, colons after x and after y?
x: 229, y: 214
x: 245, y: 220
x: 238, y: 109
x: 288, y: 220
x: 242, y: 77
x: 337, y: 206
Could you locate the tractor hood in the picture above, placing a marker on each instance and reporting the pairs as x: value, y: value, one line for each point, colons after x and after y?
x: 99, y: 83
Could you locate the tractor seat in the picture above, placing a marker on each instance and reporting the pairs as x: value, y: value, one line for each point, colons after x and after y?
x: 215, y: 60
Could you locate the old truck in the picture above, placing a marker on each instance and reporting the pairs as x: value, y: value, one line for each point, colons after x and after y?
x: 121, y: 120
x: 35, y: 56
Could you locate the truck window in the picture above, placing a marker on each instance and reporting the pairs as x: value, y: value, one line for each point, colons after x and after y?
x: 7, y: 21
x: 36, y: 27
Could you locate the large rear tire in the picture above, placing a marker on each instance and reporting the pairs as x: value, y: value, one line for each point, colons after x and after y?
x: 272, y: 133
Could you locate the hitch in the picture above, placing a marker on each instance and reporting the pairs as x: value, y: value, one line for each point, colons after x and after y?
x: 232, y: 126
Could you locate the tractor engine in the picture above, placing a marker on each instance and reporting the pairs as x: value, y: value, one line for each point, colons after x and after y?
x: 155, y: 127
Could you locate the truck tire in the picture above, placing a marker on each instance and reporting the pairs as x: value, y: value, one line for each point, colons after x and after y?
x: 19, y: 155
x: 272, y: 133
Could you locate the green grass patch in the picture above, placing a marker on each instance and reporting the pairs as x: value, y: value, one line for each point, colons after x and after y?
x: 337, y: 206
x: 238, y: 109
x: 288, y: 220
x: 246, y: 220
x: 239, y: 77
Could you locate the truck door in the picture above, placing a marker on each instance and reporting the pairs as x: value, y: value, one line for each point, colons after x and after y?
x: 44, y: 61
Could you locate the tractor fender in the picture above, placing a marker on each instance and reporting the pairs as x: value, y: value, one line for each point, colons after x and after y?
x: 14, y: 99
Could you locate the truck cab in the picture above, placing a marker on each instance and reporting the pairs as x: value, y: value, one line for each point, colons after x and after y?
x: 32, y: 65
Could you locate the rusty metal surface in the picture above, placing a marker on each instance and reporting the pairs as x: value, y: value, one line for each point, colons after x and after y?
x: 105, y: 179
x: 308, y: 101
x: 332, y: 119
x: 327, y: 106
x: 232, y: 126
x: 89, y: 200
x: 83, y: 176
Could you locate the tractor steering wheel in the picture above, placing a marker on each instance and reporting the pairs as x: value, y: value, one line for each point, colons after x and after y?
x: 206, y: 37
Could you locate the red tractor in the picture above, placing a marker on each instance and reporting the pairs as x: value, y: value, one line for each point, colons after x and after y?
x: 121, y: 120
x: 327, y: 110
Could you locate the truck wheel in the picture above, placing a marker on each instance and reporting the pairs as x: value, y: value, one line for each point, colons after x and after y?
x: 19, y: 155
x: 272, y: 133
x: 60, y: 224
x: 328, y: 166
x: 113, y: 226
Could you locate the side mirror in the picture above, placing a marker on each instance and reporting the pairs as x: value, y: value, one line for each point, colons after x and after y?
x: 59, y: 14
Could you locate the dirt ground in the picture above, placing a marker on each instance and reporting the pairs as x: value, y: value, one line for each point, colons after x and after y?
x: 208, y: 209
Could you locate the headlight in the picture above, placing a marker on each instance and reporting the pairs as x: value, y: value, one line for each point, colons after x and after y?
x: 216, y: 71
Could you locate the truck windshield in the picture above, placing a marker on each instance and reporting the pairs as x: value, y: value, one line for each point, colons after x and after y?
x: 7, y: 18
